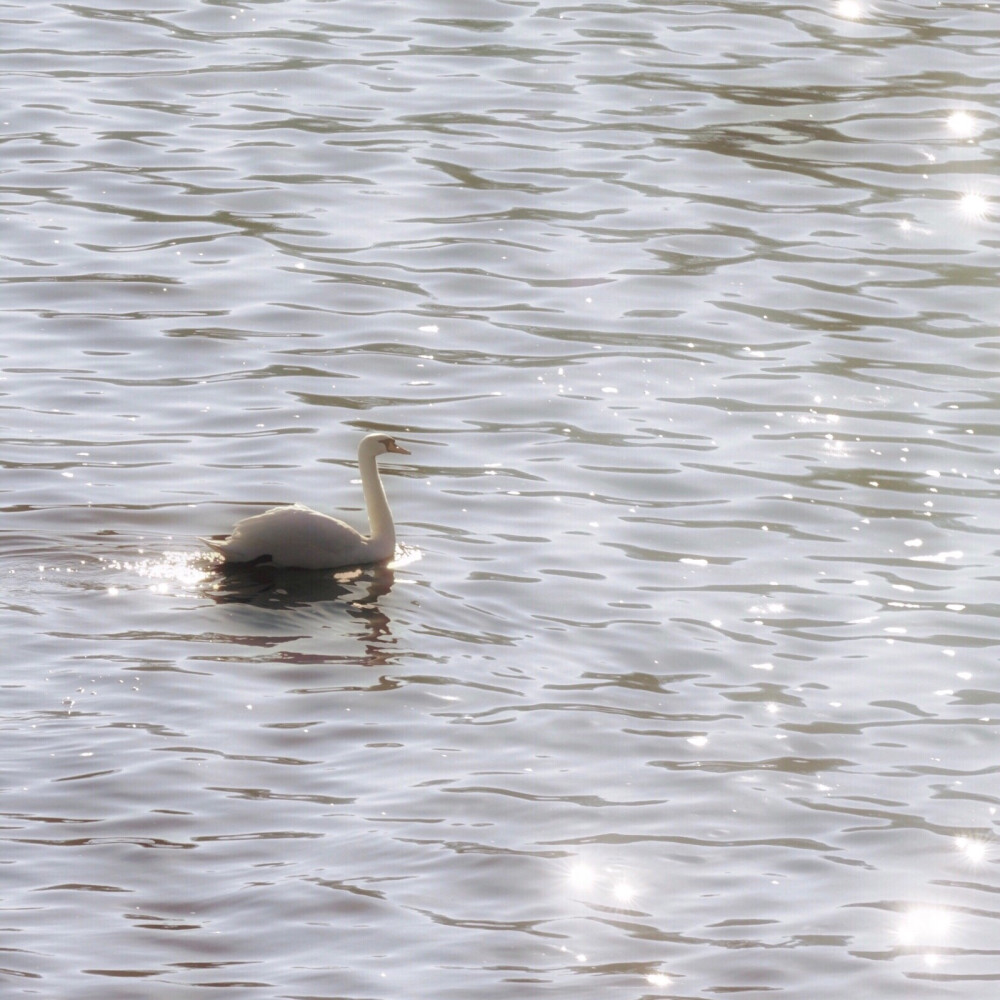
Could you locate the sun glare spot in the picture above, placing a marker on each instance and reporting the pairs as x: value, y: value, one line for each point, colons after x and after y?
x: 623, y: 891
x: 658, y: 979
x: 849, y: 9
x: 972, y: 849
x: 974, y: 206
x: 582, y: 876
x: 607, y: 886
x: 962, y: 124
x: 163, y: 573
x: 924, y: 926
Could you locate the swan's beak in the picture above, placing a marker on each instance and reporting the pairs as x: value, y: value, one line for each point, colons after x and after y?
x: 397, y: 448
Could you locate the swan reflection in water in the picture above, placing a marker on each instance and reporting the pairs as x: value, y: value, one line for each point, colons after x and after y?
x: 274, y: 586
x: 358, y: 590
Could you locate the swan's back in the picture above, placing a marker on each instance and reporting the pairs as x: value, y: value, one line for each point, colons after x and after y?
x: 296, y: 536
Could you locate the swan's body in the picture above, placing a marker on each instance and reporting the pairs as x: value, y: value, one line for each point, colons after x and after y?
x: 301, y: 538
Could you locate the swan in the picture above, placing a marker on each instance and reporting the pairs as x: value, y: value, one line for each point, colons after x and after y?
x: 301, y: 538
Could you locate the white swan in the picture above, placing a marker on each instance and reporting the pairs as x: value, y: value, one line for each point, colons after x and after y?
x: 301, y: 538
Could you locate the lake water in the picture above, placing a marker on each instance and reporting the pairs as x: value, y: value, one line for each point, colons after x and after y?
x: 685, y: 681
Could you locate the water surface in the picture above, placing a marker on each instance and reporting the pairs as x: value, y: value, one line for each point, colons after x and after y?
x: 684, y: 682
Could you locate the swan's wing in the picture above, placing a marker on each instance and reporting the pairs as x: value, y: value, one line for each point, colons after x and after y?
x: 291, y: 536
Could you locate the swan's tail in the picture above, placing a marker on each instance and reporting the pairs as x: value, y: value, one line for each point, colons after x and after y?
x: 219, y: 546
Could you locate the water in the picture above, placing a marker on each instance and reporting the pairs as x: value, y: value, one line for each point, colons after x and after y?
x: 685, y: 680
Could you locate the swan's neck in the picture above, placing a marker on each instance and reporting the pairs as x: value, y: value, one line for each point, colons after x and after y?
x: 383, y: 532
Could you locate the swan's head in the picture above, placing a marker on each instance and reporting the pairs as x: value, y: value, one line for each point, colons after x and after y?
x: 379, y: 444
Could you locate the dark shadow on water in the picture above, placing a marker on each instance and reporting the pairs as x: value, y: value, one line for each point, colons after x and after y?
x: 266, y: 586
